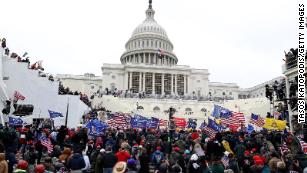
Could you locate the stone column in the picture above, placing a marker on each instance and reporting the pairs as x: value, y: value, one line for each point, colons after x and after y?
x: 153, y: 83
x: 140, y: 82
x: 172, y: 84
x: 162, y: 84
x: 130, y: 80
x: 176, y: 93
x: 144, y: 81
x: 184, y: 84
x: 126, y: 81
x: 155, y: 59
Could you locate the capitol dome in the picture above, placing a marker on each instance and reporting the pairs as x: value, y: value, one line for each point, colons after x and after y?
x: 149, y: 44
x: 150, y: 26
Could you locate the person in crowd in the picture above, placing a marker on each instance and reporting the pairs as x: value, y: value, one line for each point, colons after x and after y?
x: 131, y: 166
x: 76, y: 162
x: 40, y: 168
x: 108, y: 160
x: 65, y: 155
x: 3, y: 164
x: 22, y: 167
x: 157, y: 157
x: 122, y: 155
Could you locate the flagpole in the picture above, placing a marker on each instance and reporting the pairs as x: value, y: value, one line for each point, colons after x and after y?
x: 66, y: 119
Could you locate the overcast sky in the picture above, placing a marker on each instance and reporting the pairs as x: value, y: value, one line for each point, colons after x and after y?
x: 241, y: 41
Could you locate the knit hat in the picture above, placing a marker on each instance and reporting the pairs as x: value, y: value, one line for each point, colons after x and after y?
x: 131, y: 162
x: 158, y: 148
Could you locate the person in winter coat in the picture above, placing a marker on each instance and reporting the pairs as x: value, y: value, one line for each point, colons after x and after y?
x: 122, y: 155
x: 76, y: 162
x: 157, y: 157
x: 108, y: 160
x: 239, y: 150
x: 131, y: 166
x: 98, y: 162
x: 65, y: 155
x: 144, y: 161
x: 233, y: 164
x: 217, y: 166
x: 3, y: 164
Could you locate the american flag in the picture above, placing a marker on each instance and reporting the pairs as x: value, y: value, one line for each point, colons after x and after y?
x: 118, y: 120
x: 160, y: 52
x: 284, y: 148
x: 47, y: 143
x: 210, y: 131
x: 257, y: 120
x: 18, y: 96
x: 225, y: 161
x: 303, y: 145
x: 236, y: 119
x: 162, y: 123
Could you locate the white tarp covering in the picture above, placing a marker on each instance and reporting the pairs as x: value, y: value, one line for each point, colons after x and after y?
x: 41, y: 93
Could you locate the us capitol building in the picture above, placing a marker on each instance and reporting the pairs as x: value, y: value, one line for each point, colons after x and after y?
x: 149, y: 65
x: 149, y: 68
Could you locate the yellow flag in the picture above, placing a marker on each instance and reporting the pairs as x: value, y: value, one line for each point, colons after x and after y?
x: 273, y: 124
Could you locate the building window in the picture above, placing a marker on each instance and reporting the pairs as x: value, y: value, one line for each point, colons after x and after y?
x: 198, y: 81
x: 156, y: 108
x: 92, y: 87
x: 224, y: 93
x: 188, y: 110
x: 113, y: 77
x: 230, y: 93
x: 100, y: 87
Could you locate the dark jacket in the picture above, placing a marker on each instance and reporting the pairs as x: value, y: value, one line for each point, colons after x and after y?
x: 108, y: 160
x: 144, y: 162
x: 76, y: 162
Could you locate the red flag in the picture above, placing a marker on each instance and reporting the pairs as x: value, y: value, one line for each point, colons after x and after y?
x: 180, y: 122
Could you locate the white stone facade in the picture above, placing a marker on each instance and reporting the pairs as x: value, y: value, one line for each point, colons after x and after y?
x: 87, y: 84
x: 257, y: 91
x: 223, y: 91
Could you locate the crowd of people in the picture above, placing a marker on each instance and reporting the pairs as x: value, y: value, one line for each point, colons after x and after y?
x: 43, y: 149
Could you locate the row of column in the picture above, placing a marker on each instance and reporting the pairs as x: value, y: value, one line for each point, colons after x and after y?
x: 152, y: 59
x: 142, y: 82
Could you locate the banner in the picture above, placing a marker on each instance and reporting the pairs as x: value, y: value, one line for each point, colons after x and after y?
x: 180, y: 122
x: 139, y: 121
x: 273, y: 124
x: 153, y: 123
x: 96, y: 127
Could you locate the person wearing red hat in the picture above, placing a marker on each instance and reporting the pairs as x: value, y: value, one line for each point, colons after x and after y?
x: 22, y: 166
x: 40, y: 168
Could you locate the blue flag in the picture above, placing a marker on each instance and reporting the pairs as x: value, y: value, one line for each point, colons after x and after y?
x: 139, y: 122
x: 192, y: 123
x: 153, y: 123
x: 15, y: 121
x: 250, y: 128
x: 213, y: 125
x: 220, y: 112
x: 54, y: 114
x: 96, y: 127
